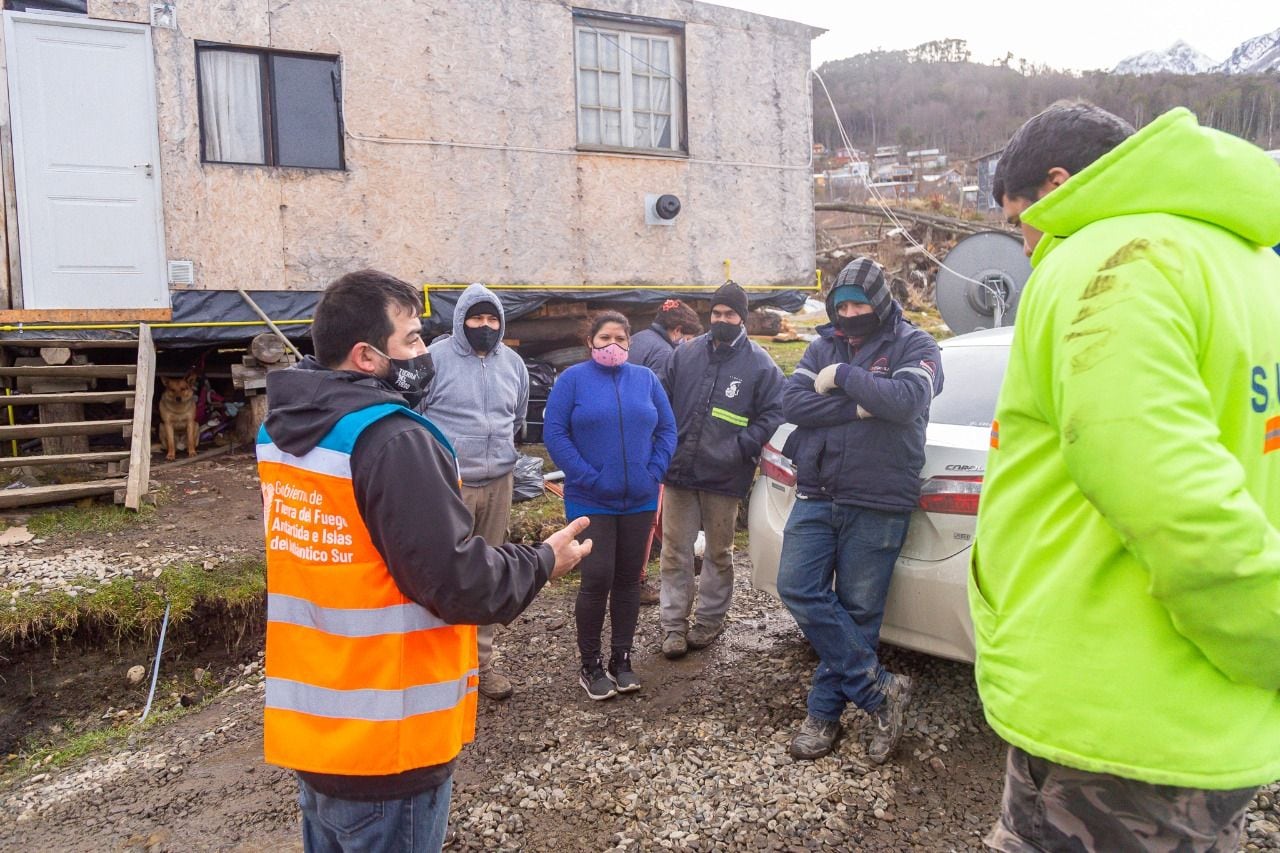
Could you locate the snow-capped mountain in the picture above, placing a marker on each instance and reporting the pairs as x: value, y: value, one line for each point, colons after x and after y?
x: 1258, y: 54
x: 1178, y: 58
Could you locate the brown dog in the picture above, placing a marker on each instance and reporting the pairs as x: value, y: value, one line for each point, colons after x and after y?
x: 178, y: 408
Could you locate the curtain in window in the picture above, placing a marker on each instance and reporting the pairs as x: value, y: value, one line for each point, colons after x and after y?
x: 661, y: 93
x: 231, y: 94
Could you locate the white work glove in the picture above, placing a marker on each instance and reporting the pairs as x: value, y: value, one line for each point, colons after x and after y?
x: 825, y: 381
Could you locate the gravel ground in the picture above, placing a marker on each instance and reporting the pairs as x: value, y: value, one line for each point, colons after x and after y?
x: 696, y: 761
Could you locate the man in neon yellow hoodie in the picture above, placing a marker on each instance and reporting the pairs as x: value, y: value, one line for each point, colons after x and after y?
x: 1125, y: 584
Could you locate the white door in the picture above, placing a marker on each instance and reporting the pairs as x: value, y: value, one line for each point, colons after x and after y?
x: 86, y: 162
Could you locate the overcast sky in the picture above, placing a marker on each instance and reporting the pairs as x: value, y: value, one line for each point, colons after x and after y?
x: 1083, y: 34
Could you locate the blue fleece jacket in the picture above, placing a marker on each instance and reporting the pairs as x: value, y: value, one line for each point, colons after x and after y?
x: 610, y: 429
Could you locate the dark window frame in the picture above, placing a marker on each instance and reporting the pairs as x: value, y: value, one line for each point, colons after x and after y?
x: 270, y: 125
x: 675, y: 30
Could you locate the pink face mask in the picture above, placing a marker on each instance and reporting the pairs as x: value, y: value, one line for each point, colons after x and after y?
x: 611, y: 355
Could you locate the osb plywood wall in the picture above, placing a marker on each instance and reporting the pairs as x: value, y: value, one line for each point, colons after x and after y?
x: 499, y: 73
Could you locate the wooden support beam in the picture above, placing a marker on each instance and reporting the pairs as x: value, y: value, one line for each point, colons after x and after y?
x: 63, y: 458
x: 68, y: 397
x: 87, y: 315
x: 22, y: 431
x: 97, y: 371
x: 10, y: 498
x: 139, y: 480
x: 78, y: 343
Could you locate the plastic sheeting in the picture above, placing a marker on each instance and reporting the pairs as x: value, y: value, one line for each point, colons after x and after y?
x: 198, y: 313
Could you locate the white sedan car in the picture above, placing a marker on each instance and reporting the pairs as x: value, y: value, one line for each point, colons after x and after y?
x: 928, y: 608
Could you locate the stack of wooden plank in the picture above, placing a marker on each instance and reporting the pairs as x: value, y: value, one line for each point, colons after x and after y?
x: 59, y: 384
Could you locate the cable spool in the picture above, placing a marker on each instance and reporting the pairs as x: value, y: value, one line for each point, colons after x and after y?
x: 982, y: 281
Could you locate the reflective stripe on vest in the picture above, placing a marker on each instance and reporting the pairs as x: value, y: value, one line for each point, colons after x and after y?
x: 371, y: 705
x: 360, y: 679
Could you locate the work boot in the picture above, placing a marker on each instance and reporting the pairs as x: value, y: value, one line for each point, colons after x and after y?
x: 701, y: 636
x: 815, y: 738
x: 494, y: 685
x: 674, y: 645
x: 595, y: 681
x: 649, y: 592
x: 890, y: 719
x: 620, y: 673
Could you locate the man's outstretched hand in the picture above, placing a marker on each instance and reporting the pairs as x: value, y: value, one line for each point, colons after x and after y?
x: 567, y: 549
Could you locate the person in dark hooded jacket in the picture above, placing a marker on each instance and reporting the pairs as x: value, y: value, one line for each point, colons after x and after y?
x: 371, y: 649
x: 860, y: 402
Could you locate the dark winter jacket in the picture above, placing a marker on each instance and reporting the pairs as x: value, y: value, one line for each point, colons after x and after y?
x: 401, y: 474
x: 652, y: 348
x: 727, y: 401
x: 862, y: 444
x: 611, y: 431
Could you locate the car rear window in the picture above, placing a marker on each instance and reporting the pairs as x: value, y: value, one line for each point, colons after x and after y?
x: 971, y: 382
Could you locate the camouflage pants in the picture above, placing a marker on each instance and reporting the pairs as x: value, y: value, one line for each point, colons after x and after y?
x: 1049, y: 808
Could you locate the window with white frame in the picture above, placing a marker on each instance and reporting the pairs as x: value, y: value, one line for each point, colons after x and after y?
x: 630, y: 85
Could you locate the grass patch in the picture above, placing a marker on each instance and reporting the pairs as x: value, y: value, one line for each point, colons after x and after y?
x: 47, y: 756
x: 535, y: 520
x: 931, y: 322
x: 785, y: 354
x: 131, y: 606
x: 95, y: 518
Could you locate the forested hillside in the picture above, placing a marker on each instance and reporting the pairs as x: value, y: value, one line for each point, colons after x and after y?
x: 935, y: 96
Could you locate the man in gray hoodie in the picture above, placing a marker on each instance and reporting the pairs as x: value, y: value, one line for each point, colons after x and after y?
x: 479, y: 399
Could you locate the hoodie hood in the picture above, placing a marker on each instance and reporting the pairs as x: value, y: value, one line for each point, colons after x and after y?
x: 1172, y: 165
x: 864, y: 273
x: 304, y: 402
x: 473, y: 294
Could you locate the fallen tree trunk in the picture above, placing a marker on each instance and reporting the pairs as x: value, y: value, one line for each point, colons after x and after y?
x: 944, y: 223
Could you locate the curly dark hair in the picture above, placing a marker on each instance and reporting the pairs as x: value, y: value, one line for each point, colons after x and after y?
x: 674, y: 314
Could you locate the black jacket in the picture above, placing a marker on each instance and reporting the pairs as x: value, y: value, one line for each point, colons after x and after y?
x: 863, y: 443
x: 652, y: 348
x: 406, y: 488
x: 727, y: 402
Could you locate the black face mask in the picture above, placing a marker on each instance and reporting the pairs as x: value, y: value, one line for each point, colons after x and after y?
x: 725, y: 333
x: 482, y: 338
x: 409, y: 377
x: 859, y: 326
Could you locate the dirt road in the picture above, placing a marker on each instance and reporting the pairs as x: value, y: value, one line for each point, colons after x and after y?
x: 696, y: 761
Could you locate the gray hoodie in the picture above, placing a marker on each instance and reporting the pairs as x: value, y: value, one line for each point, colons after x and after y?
x: 479, y: 403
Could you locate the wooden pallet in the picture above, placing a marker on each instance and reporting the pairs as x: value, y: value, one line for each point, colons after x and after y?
x: 61, y: 390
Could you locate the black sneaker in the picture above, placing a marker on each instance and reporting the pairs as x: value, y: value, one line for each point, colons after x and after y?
x: 620, y: 673
x: 593, y: 679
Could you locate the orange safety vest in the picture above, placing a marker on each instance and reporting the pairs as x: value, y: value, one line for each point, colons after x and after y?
x: 360, y: 680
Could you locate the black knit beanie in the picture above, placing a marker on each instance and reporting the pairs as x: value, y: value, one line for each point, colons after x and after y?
x: 732, y: 295
x: 484, y: 306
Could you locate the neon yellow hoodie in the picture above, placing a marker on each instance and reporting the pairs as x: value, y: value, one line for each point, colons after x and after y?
x: 1125, y: 584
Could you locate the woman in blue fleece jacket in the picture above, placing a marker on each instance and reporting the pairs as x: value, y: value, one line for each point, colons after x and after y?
x: 608, y: 426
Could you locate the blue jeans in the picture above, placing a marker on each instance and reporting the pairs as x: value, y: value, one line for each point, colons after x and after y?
x: 413, y: 825
x: 824, y: 541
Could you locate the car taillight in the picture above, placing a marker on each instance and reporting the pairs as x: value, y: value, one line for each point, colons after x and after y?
x: 776, y: 467
x: 951, y: 495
